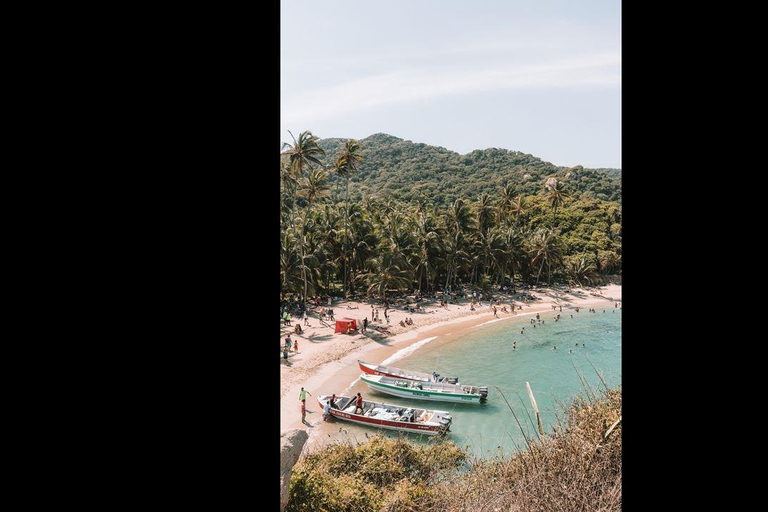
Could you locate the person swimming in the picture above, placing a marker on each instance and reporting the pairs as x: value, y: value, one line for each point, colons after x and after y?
x: 554, y: 348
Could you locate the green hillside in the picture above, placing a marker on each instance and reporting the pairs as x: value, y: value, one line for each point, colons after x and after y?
x: 408, y: 171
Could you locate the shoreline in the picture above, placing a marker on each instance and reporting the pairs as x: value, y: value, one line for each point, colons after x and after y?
x: 337, y: 370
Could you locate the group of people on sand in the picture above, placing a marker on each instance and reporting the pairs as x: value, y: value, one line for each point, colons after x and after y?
x: 408, y: 321
x: 289, y: 343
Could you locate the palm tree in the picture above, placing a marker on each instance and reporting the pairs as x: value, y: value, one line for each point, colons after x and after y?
x: 485, y: 211
x: 315, y: 185
x: 580, y: 270
x: 303, y: 154
x: 347, y: 164
x: 506, y: 202
x: 427, y: 241
x: 545, y: 248
x: 556, y: 195
x: 387, y: 272
x: 364, y: 242
x: 512, y: 243
x: 289, y: 264
x: 458, y: 220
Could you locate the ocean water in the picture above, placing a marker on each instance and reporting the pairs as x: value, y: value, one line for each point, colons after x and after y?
x: 484, y: 356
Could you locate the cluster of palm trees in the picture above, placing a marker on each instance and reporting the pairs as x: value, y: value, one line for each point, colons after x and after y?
x: 376, y: 246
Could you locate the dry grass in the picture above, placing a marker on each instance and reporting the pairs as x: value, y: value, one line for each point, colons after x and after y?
x: 574, y: 468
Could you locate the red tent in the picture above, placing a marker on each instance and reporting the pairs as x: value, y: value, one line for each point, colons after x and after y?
x: 344, y: 323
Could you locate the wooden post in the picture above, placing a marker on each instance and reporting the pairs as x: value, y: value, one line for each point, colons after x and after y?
x: 611, y: 429
x: 535, y: 408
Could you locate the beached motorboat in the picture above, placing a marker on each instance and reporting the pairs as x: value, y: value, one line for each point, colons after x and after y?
x: 439, y: 391
x: 392, y: 417
x: 391, y: 371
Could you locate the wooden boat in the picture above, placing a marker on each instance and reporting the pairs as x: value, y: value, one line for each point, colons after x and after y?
x: 392, y: 417
x: 439, y: 391
x: 390, y: 371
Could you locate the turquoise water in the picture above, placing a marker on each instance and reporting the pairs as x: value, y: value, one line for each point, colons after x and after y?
x: 484, y: 356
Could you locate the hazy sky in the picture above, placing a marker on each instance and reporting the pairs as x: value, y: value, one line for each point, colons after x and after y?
x: 538, y: 76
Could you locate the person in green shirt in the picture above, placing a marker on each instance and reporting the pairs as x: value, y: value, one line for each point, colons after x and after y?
x: 303, y: 394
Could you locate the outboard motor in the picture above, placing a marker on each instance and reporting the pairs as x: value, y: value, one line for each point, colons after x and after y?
x: 483, y: 392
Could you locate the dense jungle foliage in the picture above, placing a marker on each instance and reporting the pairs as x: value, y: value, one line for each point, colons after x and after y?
x: 383, y: 215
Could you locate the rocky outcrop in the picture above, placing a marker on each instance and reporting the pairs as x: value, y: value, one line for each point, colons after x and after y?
x: 291, y: 444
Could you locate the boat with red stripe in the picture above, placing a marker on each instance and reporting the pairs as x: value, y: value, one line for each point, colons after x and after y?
x: 392, y: 417
x: 397, y: 373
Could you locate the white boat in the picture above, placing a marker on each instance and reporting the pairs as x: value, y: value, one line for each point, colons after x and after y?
x: 391, y: 371
x: 438, y: 391
x: 391, y: 417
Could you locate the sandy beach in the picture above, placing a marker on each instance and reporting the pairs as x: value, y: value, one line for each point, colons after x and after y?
x: 326, y: 362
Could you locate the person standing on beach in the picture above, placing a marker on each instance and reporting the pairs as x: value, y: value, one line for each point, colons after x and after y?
x: 303, y: 394
x: 285, y: 355
x: 365, y: 323
x: 303, y: 412
x: 296, y: 346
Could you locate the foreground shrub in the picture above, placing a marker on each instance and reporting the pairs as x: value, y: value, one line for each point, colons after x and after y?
x: 575, y: 467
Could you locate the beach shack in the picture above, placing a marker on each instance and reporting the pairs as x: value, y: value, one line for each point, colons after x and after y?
x: 345, y: 323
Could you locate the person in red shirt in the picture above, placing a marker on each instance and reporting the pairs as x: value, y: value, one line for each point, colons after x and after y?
x: 359, y: 404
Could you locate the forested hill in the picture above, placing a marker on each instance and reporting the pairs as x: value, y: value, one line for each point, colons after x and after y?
x: 409, y: 171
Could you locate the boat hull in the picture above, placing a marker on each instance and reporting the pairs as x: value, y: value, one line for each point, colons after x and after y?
x: 430, y: 429
x: 418, y: 394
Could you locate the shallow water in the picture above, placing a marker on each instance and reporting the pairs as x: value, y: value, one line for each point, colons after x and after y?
x: 484, y: 356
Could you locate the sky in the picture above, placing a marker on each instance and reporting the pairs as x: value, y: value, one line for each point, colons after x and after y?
x: 538, y: 76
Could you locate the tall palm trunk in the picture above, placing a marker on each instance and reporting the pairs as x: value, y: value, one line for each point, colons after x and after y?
x: 346, y: 233
x: 539, y: 274
x: 300, y: 241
